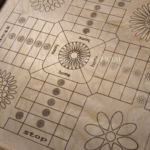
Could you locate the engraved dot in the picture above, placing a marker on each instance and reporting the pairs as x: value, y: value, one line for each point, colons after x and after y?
x: 22, y: 20
x: 56, y: 91
x: 61, y: 82
x: 21, y: 38
x: 94, y: 14
x: 38, y: 44
x: 51, y: 102
x: 19, y: 115
x: 89, y: 23
x: 40, y: 123
x: 12, y: 36
x: 29, y: 41
x: 86, y: 30
x: 121, y: 4
x: 47, y: 46
x: 97, y: 7
x: 46, y: 112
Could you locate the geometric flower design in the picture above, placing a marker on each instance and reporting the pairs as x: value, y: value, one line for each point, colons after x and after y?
x: 7, y: 88
x: 46, y: 5
x: 111, y: 134
x: 114, y: 66
x: 103, y: 63
x: 126, y: 69
x: 137, y: 73
x: 141, y: 22
x: 147, y: 76
x: 141, y: 99
x: 74, y: 55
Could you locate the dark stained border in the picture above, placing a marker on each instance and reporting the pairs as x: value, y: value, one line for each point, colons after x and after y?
x: 2, y: 3
x: 1, y: 147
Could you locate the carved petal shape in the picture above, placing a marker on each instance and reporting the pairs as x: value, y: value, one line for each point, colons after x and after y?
x: 127, y: 129
x: 94, y: 144
x: 7, y: 101
x: 94, y: 130
x: 2, y: 104
x: 116, y: 147
x: 11, y: 78
x: 105, y: 147
x: 12, y: 92
x: 128, y: 143
x: 116, y: 120
x: 10, y: 97
x: 103, y: 121
x: 7, y: 75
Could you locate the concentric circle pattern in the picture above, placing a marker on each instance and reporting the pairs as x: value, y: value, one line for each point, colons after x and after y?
x: 74, y: 55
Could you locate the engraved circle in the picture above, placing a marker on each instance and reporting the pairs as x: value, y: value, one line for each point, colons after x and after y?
x: 61, y: 82
x: 12, y: 36
x: 56, y: 91
x: 89, y: 23
x: 40, y: 123
x: 19, y: 115
x: 121, y: 4
x: 86, y: 30
x: 21, y: 20
x: 94, y: 15
x: 47, y: 46
x: 74, y: 55
x: 46, y: 112
x: 97, y: 7
x: 29, y: 41
x: 51, y: 102
x: 38, y: 44
x: 21, y: 38
x: 110, y: 136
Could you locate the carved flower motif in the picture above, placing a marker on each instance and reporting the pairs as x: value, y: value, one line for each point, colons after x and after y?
x: 46, y: 5
x: 111, y: 134
x: 140, y: 21
x: 7, y: 88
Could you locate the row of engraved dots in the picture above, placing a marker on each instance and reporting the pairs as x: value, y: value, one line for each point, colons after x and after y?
x: 46, y: 112
x: 50, y: 102
x: 29, y: 41
x: 120, y: 4
x: 94, y: 15
x: 40, y: 123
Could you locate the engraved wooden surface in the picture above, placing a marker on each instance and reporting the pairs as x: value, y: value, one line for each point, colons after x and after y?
x: 75, y: 75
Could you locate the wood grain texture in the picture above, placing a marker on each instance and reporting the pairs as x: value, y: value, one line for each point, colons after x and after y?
x: 75, y: 75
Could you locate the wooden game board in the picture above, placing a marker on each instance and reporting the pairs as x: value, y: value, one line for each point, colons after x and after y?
x: 75, y: 75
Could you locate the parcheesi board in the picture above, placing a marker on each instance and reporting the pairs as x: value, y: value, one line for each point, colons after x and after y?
x: 75, y: 75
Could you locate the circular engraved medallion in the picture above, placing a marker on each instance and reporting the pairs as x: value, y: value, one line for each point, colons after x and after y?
x: 19, y: 115
x: 51, y: 102
x: 40, y: 123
